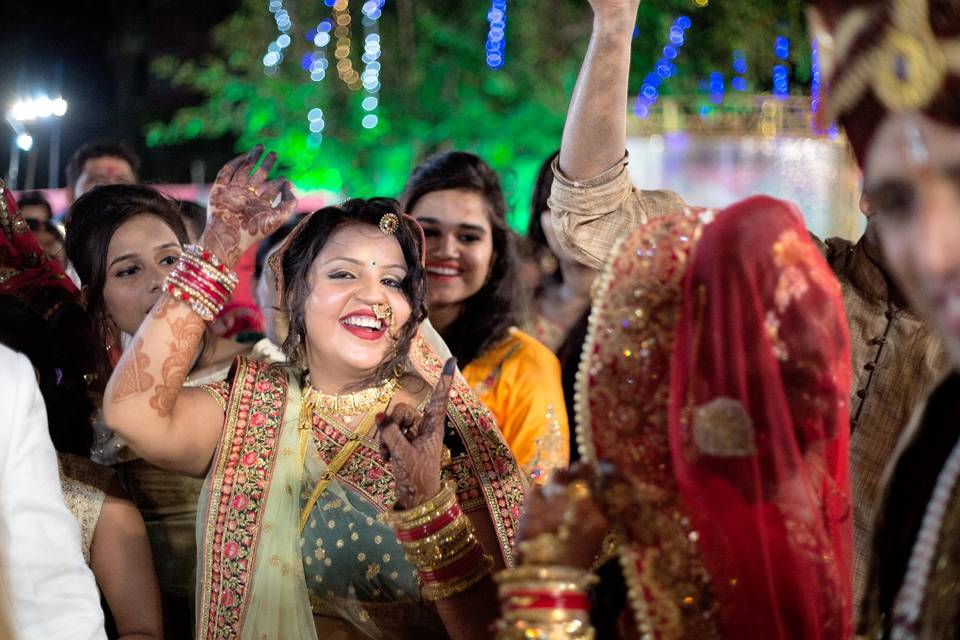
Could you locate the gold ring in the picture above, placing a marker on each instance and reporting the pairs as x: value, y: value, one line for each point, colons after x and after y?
x: 252, y: 190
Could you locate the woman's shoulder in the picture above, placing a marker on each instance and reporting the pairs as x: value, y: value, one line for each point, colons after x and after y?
x: 526, y: 351
x: 78, y: 470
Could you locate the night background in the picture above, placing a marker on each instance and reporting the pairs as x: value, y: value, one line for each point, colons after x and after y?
x: 188, y: 84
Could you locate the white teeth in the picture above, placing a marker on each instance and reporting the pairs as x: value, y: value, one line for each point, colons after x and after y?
x: 363, y: 321
x: 442, y: 271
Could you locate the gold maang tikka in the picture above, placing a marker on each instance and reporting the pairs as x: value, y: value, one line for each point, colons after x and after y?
x: 389, y: 223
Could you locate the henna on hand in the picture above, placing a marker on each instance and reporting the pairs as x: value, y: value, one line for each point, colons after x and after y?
x: 244, y: 206
x: 415, y: 457
x: 132, y: 377
x: 187, y: 333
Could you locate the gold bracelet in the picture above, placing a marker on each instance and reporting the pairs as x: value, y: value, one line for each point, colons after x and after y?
x: 424, y: 513
x: 452, y: 530
x: 439, y: 591
x: 445, y: 556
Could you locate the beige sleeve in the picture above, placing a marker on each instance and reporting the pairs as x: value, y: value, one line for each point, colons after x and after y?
x: 589, y: 216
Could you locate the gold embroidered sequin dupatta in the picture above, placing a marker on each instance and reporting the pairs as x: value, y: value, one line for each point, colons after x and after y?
x: 716, y: 379
x: 622, y: 400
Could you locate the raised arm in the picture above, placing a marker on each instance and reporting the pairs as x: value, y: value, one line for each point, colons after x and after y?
x: 594, y: 136
x: 592, y: 201
x: 144, y: 402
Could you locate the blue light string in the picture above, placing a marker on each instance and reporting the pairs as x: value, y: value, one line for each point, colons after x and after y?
x: 716, y: 87
x: 739, y: 83
x: 781, y: 83
x: 816, y: 89
x: 497, y: 34
x: 663, y: 69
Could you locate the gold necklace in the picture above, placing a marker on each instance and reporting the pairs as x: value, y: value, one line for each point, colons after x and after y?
x: 348, y: 405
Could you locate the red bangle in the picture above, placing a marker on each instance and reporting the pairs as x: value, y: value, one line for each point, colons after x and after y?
x: 197, y: 272
x: 205, y: 285
x: 547, y: 600
x: 201, y: 288
x: 414, y: 534
x: 456, y: 569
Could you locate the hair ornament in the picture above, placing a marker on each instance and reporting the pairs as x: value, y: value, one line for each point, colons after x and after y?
x: 389, y: 223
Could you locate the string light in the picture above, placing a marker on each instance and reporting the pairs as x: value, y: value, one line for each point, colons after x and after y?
x: 663, y: 69
x: 739, y: 83
x: 816, y: 91
x: 372, y: 10
x: 342, y: 20
x: 781, y: 84
x: 716, y: 87
x: 497, y: 34
x: 315, y: 63
x: 275, y: 50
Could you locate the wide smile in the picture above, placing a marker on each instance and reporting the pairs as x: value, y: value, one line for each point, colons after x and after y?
x: 444, y: 270
x: 364, y: 325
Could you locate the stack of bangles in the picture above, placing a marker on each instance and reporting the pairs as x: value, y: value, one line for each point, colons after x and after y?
x: 540, y: 602
x: 202, y: 281
x: 439, y: 541
x: 542, y: 598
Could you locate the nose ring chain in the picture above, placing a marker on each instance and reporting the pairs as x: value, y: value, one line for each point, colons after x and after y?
x: 384, y: 313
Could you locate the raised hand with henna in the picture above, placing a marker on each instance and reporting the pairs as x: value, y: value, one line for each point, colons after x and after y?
x: 244, y: 206
x: 414, y: 448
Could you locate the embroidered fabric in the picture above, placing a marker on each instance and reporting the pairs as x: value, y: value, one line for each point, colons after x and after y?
x: 253, y: 573
x: 734, y: 439
x: 84, y: 490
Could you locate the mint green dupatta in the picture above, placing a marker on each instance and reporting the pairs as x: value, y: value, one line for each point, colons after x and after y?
x: 250, y: 579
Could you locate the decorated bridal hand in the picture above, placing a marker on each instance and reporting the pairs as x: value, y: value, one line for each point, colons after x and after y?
x: 565, y: 508
x: 414, y: 448
x: 244, y: 206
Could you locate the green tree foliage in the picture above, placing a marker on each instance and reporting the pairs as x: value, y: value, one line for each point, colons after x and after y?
x: 437, y: 91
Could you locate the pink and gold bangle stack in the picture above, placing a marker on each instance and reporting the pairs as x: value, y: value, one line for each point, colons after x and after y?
x: 202, y: 281
x: 439, y: 542
x: 540, y: 602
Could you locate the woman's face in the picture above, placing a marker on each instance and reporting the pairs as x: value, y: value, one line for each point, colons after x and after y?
x: 459, y: 244
x: 142, y: 252
x: 358, y: 267
x: 51, y: 245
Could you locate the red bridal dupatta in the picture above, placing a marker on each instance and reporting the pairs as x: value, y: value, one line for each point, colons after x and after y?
x: 25, y: 270
x: 715, y: 379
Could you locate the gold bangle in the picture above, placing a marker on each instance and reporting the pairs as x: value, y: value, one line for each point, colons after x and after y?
x: 421, y: 514
x: 439, y: 591
x: 444, y: 557
x: 449, y: 532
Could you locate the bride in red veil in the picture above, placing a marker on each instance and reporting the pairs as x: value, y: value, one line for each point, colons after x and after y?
x: 715, y: 381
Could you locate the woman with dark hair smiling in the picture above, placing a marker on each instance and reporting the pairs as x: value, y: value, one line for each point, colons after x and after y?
x: 123, y: 240
x: 474, y: 294
x: 345, y: 494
